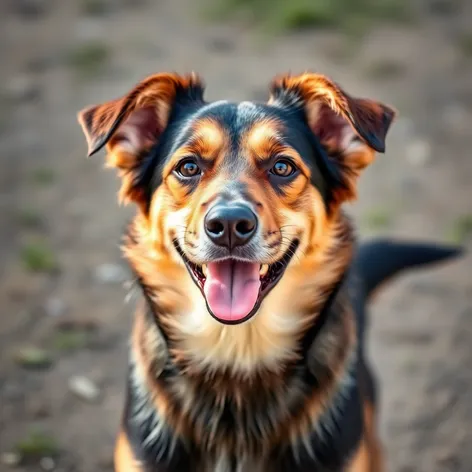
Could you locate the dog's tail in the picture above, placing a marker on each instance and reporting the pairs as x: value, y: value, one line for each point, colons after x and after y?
x: 381, y: 259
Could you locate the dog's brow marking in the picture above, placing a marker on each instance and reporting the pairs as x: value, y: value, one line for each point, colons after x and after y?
x: 263, y: 136
x: 209, y: 137
x: 190, y: 123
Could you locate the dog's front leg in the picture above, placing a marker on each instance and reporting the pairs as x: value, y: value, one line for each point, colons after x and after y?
x: 369, y: 455
x: 124, y: 459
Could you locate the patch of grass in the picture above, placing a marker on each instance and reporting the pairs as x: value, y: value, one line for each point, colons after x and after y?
x: 29, y: 218
x: 461, y: 230
x: 385, y: 68
x: 280, y: 15
x: 36, y: 446
x: 400, y: 11
x: 43, y: 176
x: 95, y: 7
x: 66, y: 341
x: 31, y: 357
x: 89, y: 59
x: 377, y: 218
x: 38, y: 257
x: 465, y: 44
x: 356, y: 26
x: 305, y: 14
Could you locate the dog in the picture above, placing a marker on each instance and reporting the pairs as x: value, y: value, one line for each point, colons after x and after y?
x: 247, y: 352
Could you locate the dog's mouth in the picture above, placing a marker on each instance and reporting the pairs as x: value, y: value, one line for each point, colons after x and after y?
x: 234, y: 289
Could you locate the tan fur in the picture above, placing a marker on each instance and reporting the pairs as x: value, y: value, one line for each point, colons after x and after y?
x: 124, y: 458
x: 376, y: 455
x: 361, y: 460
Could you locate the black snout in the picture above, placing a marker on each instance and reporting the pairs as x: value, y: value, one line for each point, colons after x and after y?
x: 230, y: 225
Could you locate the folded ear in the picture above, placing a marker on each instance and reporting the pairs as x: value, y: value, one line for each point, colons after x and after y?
x: 131, y: 125
x: 350, y: 129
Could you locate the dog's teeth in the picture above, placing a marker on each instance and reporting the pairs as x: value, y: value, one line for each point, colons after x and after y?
x: 264, y: 269
x: 204, y: 270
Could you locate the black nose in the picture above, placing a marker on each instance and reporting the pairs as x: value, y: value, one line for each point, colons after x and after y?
x: 230, y: 225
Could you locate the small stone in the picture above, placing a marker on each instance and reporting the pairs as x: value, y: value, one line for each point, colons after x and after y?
x: 110, y: 274
x: 11, y: 459
x: 84, y: 388
x: 33, y: 358
x: 55, y: 307
x: 47, y: 463
x: 418, y: 152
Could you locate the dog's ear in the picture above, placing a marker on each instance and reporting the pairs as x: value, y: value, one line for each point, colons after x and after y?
x: 131, y: 125
x: 350, y: 129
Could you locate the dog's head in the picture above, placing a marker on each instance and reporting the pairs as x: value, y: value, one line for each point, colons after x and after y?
x: 240, y: 192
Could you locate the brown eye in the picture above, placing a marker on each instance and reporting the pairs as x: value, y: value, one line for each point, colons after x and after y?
x: 283, y: 168
x: 188, y: 168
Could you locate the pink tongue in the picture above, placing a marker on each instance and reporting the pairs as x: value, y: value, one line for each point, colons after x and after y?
x: 231, y: 288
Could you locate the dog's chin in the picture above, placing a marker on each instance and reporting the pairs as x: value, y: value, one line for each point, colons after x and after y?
x: 234, y: 289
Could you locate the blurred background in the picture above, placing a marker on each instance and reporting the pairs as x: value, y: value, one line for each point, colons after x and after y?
x: 64, y: 320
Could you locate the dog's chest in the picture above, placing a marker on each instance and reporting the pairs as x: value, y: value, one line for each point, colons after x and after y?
x: 230, y: 441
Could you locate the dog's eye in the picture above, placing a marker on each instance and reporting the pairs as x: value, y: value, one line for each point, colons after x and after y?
x: 283, y: 168
x: 188, y: 168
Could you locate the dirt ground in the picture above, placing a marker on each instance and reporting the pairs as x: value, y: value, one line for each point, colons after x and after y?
x: 62, y: 297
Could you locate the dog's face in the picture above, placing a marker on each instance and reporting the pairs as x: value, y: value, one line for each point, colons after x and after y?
x: 240, y: 193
